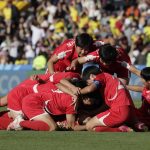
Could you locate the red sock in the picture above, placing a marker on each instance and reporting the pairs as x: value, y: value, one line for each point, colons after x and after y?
x: 35, y: 125
x: 106, y: 129
x: 4, y: 122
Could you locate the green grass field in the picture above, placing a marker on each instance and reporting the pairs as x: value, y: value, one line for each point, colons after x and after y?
x: 67, y: 140
x: 27, y: 140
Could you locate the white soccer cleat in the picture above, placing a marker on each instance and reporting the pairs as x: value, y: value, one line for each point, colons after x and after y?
x: 15, y: 125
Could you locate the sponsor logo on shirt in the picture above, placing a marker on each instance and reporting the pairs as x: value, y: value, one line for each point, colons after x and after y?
x: 61, y: 55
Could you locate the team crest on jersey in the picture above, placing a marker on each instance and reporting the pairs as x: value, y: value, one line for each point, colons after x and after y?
x: 61, y: 55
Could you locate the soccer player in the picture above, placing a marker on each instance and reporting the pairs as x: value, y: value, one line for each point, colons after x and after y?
x: 143, y: 112
x: 65, y: 56
x: 16, y: 95
x: 39, y: 108
x: 116, y: 97
x: 108, y: 57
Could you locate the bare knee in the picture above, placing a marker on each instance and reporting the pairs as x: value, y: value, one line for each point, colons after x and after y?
x: 52, y: 127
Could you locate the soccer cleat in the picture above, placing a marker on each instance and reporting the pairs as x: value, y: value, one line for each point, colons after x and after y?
x: 125, y: 128
x: 141, y: 127
x: 15, y: 125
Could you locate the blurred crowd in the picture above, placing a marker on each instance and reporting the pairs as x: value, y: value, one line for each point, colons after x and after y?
x: 31, y: 29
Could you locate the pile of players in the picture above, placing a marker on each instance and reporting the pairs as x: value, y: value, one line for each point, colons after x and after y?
x: 85, y: 88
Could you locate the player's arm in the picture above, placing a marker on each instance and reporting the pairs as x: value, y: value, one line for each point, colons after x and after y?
x: 73, y: 65
x: 125, y: 81
x: 89, y: 89
x: 134, y: 70
x: 135, y: 88
x: 81, y: 60
x: 70, y: 118
x: 79, y: 127
x: 75, y: 90
x: 131, y: 68
x: 64, y: 89
x: 51, y: 63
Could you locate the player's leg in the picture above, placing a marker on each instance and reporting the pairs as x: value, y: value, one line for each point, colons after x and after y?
x: 33, y: 108
x: 110, y: 118
x: 15, y: 97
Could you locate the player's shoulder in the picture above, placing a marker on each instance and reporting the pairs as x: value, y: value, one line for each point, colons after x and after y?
x: 120, y: 50
x: 69, y: 42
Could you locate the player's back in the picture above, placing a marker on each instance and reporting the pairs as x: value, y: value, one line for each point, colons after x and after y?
x: 60, y: 103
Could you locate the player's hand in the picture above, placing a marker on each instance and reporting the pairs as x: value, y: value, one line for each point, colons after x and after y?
x: 76, y: 91
x: 71, y: 68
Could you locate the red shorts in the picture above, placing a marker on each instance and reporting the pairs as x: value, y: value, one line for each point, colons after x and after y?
x: 116, y: 116
x: 15, y: 97
x: 33, y: 106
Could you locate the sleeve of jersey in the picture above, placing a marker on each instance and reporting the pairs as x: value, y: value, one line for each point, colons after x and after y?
x: 93, y: 56
x: 65, y: 49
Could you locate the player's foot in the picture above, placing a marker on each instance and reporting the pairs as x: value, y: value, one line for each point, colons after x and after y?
x: 125, y: 128
x: 15, y: 125
x: 141, y: 127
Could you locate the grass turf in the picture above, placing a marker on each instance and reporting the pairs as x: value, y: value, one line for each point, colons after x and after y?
x: 67, y: 140
x: 26, y: 140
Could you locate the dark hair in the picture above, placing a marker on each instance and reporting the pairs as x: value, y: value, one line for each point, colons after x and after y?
x: 84, y: 40
x: 145, y: 73
x: 78, y: 83
x: 90, y: 70
x: 108, y: 53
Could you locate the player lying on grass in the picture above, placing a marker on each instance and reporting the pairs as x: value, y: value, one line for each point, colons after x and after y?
x: 39, y: 107
x: 108, y: 57
x: 121, y: 108
x: 143, y: 112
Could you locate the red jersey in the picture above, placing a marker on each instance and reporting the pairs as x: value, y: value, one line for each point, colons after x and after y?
x: 146, y: 95
x: 113, y: 91
x: 145, y: 108
x: 66, y: 53
x: 55, y: 78
x: 115, y: 67
x: 59, y: 103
